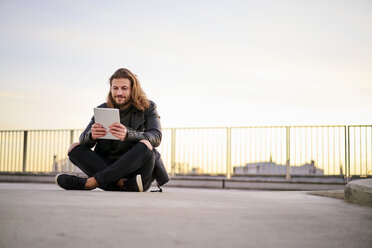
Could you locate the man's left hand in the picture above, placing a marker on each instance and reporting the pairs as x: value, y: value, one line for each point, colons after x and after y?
x: 118, y: 130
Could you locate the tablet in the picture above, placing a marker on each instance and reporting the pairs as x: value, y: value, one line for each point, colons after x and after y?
x: 106, y: 117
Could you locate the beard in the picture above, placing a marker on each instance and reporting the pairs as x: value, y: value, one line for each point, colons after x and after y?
x: 123, y: 101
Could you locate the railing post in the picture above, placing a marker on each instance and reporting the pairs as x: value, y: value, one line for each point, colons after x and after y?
x: 347, y: 153
x: 71, y: 141
x: 24, y: 151
x: 228, y: 153
x: 288, y: 154
x: 173, y: 151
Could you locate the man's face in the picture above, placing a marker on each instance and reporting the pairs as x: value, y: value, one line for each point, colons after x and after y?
x: 120, y: 91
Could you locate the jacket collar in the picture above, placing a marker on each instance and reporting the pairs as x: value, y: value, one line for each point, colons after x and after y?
x: 137, y: 118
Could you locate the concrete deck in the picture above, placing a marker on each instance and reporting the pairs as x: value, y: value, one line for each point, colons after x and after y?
x: 43, y: 215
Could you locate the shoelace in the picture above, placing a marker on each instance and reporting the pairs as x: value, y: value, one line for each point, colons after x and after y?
x: 158, y: 190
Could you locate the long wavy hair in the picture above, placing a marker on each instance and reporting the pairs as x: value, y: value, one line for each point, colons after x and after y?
x: 138, y: 97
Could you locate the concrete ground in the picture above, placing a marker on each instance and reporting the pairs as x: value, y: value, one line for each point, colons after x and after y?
x: 43, y: 215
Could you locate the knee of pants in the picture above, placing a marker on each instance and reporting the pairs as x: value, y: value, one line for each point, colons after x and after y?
x: 72, y: 149
x: 73, y: 145
x: 147, y: 143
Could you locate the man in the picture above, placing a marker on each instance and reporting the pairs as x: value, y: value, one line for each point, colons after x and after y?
x: 130, y: 163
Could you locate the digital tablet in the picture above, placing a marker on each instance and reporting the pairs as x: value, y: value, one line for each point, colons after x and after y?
x: 106, y: 117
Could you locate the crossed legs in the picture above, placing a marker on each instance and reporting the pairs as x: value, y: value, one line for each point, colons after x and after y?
x: 114, y: 175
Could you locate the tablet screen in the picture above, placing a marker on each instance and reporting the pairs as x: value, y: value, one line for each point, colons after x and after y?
x: 106, y: 117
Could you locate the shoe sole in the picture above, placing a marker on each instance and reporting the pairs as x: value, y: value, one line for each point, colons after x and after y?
x: 139, y: 183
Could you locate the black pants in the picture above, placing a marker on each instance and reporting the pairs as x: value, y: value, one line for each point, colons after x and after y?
x: 138, y: 160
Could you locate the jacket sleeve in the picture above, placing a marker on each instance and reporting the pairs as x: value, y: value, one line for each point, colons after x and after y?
x: 86, y: 136
x: 152, y: 131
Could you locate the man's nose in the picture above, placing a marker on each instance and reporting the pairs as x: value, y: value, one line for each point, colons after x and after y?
x: 120, y: 92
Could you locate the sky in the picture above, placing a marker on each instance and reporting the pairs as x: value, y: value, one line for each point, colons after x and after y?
x: 204, y: 63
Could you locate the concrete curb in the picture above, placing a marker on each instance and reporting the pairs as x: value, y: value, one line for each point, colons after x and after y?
x: 359, y: 192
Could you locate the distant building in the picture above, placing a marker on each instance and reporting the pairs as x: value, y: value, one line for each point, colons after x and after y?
x: 271, y: 168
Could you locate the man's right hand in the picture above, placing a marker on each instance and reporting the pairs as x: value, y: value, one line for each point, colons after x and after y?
x: 98, y: 131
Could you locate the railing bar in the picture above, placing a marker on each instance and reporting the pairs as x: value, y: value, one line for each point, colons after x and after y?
x: 36, y: 150
x: 63, y: 145
x: 322, y: 149
x: 311, y: 144
x: 354, y: 151
x: 300, y: 141
x: 245, y: 146
x: 10, y: 152
x: 53, y: 148
x: 263, y: 141
x: 271, y: 146
x: 28, y: 151
x: 16, y: 155
x: 7, y: 151
x: 208, y: 152
x: 295, y: 145
x: 347, y: 150
x: 250, y: 145
x: 275, y: 137
x: 339, y: 150
x: 274, y: 126
x: 198, y: 149
x: 43, y: 152
x: 188, y: 161
x: 19, y: 151
x: 254, y: 142
x: 49, y: 157
x: 242, y: 139
x: 188, y: 153
x: 192, y: 148
x: 334, y: 151
x: 181, y: 148
x: 42, y: 145
x: 366, y: 150
x: 214, y: 150
x: 328, y: 152
x: 1, y: 151
x: 202, y: 157
x: 11, y: 146
x: 306, y: 141
x: 50, y: 152
x: 39, y: 150
x: 360, y: 151
x: 194, y: 151
x: 60, y: 141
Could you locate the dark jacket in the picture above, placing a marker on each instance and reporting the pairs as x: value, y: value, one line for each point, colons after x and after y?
x: 143, y: 125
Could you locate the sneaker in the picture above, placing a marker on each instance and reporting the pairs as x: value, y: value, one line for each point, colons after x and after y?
x: 70, y: 182
x: 139, y: 183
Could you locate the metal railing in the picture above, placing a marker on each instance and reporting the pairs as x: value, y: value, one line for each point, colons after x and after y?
x: 271, y: 150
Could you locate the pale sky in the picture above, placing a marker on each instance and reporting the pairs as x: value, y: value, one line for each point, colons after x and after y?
x: 204, y: 63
